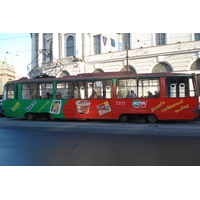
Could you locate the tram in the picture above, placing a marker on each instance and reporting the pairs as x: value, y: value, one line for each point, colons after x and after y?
x: 111, y: 95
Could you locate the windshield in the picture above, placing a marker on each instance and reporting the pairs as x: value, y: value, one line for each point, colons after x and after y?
x: 8, y: 93
x: 4, y: 93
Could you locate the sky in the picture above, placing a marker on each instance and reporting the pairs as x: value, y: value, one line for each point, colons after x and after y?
x: 16, y: 48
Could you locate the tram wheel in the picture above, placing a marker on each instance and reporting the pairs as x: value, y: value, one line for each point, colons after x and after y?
x: 30, y: 116
x: 44, y: 117
x: 51, y: 118
x: 123, y: 118
x: 152, y: 118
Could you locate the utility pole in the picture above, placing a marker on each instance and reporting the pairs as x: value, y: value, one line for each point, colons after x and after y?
x: 127, y: 57
x: 127, y: 45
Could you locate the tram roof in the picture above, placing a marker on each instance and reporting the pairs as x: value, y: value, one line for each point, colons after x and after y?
x: 104, y: 75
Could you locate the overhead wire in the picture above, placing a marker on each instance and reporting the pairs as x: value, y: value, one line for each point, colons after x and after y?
x: 17, y: 52
x: 14, y: 38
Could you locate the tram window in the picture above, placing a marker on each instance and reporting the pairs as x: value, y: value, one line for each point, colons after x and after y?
x: 102, y: 89
x: 79, y: 92
x: 9, y: 92
x: 82, y: 89
x: 192, y: 87
x: 127, y: 88
x: 45, y: 90
x: 29, y: 91
x: 180, y: 87
x: 149, y: 88
x: 198, y: 82
x: 89, y: 89
x: 172, y: 89
x: 65, y: 90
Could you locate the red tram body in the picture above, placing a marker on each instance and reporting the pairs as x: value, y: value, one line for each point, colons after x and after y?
x: 157, y: 96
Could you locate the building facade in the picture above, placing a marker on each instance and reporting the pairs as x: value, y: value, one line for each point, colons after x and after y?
x: 65, y: 54
x: 7, y: 73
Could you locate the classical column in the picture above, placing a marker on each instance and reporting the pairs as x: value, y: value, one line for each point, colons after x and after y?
x: 63, y: 47
x: 34, y: 50
x: 78, y: 46
x: 40, y: 47
x: 55, y: 45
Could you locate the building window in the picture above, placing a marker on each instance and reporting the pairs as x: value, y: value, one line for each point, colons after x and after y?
x: 98, y: 71
x: 130, y: 68
x: 162, y: 67
x: 70, y: 46
x: 64, y: 73
x: 197, y: 36
x: 195, y: 65
x: 160, y: 39
x: 112, y: 42
x: 97, y: 44
x: 126, y: 40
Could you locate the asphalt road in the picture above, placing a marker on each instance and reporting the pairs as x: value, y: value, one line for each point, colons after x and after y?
x: 98, y: 143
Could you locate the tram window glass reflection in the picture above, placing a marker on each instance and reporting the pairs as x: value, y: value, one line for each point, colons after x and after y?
x: 126, y: 88
x: 102, y: 89
x: 9, y: 92
x: 45, y: 90
x: 29, y: 91
x: 198, y: 82
x: 149, y: 88
x: 192, y: 87
x: 79, y: 90
x: 82, y: 89
x: 65, y: 89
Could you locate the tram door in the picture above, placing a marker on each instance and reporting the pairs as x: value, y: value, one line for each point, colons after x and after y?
x: 173, y: 90
x: 108, y: 92
x: 182, y: 90
x: 179, y: 87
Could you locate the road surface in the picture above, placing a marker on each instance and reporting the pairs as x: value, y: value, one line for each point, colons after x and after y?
x: 98, y: 143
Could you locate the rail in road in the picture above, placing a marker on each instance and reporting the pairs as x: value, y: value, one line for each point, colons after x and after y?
x: 166, y: 128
